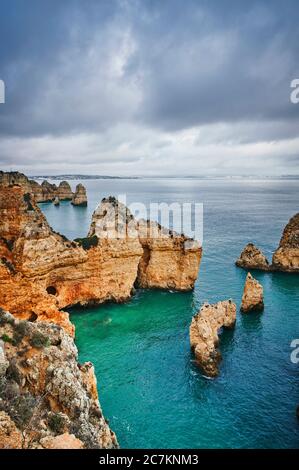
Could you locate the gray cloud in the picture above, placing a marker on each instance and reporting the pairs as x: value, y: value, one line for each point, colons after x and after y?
x: 143, y: 86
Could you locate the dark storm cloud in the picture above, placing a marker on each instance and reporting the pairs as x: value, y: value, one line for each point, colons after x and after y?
x: 135, y: 74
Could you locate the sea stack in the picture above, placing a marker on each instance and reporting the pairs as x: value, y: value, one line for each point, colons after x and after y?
x: 253, y: 295
x: 253, y: 258
x: 286, y: 257
x: 56, y: 201
x: 204, y: 334
x: 64, y: 191
x: 79, y: 197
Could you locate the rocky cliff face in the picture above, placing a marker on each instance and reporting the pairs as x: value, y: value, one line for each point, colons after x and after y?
x: 169, y: 260
x: 253, y: 295
x: 79, y: 198
x: 286, y: 257
x: 42, y: 272
x: 204, y: 330
x: 47, y: 399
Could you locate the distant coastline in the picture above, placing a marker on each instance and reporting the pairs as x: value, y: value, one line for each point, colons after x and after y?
x: 107, y: 177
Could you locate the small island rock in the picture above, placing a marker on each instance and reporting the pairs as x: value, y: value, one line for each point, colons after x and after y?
x: 253, y: 258
x: 253, y: 295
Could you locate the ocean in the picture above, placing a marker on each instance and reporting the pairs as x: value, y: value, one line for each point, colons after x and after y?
x: 150, y: 389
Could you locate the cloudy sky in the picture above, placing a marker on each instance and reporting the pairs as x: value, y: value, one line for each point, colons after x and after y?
x: 149, y: 87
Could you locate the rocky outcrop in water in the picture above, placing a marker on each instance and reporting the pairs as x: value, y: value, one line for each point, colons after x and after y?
x: 253, y: 295
x: 47, y: 399
x: 64, y: 191
x: 286, y: 257
x: 79, y: 198
x: 253, y: 258
x: 204, y: 331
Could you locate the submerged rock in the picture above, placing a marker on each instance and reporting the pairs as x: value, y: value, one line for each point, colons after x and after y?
x: 48, y: 400
x: 253, y: 258
x: 80, y: 197
x: 204, y: 334
x: 286, y: 257
x: 253, y: 295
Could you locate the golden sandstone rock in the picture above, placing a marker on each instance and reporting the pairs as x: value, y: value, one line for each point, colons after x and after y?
x: 204, y: 330
x: 253, y: 295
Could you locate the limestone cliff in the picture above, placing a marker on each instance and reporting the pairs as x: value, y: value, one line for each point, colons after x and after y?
x: 253, y: 295
x: 286, y: 257
x: 79, y: 198
x: 47, y: 399
x: 42, y: 272
x: 204, y: 330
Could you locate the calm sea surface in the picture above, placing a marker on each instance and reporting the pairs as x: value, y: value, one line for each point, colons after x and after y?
x: 149, y: 388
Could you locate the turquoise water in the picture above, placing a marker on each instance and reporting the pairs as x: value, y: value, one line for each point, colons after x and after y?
x: 149, y: 387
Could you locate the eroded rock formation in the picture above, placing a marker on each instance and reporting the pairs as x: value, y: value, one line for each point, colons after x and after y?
x: 47, y: 399
x: 253, y: 258
x: 253, y: 295
x: 45, y: 192
x: 286, y: 257
x: 42, y: 272
x: 64, y: 191
x: 79, y: 198
x: 204, y: 331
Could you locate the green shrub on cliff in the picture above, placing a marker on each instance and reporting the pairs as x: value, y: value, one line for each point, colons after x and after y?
x: 87, y: 242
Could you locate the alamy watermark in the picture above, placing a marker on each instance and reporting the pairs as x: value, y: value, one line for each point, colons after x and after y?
x: 115, y: 218
x: 2, y: 92
x: 295, y: 352
x: 294, y: 97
